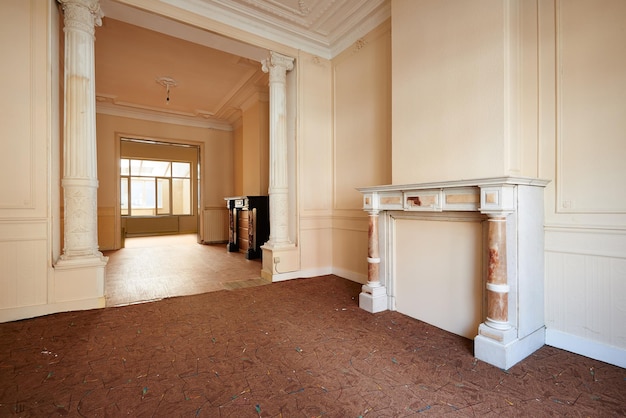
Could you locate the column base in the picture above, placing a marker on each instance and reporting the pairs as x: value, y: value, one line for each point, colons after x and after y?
x: 373, y: 298
x: 503, y: 349
x: 77, y: 280
x: 280, y: 263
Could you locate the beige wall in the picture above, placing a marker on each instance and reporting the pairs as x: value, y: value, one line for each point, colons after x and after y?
x: 460, y: 86
x: 238, y: 158
x: 255, y: 148
x: 492, y: 88
x: 362, y: 143
x: 29, y: 188
x: 429, y: 284
x: 314, y: 163
x: 217, y: 165
x: 583, y: 56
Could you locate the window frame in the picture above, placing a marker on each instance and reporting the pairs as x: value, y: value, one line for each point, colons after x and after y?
x: 156, y: 179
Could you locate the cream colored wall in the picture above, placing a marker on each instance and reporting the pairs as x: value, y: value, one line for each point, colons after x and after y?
x: 238, y: 158
x: 583, y: 56
x: 264, y: 149
x: 362, y: 143
x: 546, y: 100
x: 314, y: 156
x: 217, y: 164
x: 28, y: 181
x: 255, y: 149
x: 460, y: 90
x: 431, y: 286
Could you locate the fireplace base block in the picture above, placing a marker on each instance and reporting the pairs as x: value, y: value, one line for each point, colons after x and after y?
x: 507, y: 353
x: 373, y: 298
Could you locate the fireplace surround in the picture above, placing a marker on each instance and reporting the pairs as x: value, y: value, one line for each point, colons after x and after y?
x: 513, y: 284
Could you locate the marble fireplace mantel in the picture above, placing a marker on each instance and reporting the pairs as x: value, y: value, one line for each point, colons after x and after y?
x: 513, y: 324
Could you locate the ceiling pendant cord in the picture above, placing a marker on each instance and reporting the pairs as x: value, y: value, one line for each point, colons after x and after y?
x: 168, y: 83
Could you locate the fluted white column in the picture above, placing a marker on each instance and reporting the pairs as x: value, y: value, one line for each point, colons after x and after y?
x: 277, y: 65
x: 80, y: 180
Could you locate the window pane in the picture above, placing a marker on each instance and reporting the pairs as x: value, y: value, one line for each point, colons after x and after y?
x: 135, y: 167
x: 150, y: 168
x: 181, y: 170
x: 181, y: 196
x: 124, y: 166
x: 142, y: 191
x: 124, y: 195
x: 163, y: 196
x: 158, y: 168
x: 155, y: 187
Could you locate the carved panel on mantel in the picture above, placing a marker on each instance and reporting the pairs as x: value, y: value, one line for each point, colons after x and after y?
x: 513, y: 327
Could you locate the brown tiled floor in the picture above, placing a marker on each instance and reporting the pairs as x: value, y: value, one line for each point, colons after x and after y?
x: 152, y: 268
x: 298, y: 348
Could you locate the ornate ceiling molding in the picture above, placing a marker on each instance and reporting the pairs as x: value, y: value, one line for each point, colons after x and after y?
x: 319, y: 27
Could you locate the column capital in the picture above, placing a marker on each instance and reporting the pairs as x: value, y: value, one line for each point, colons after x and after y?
x: 83, y: 15
x: 277, y: 65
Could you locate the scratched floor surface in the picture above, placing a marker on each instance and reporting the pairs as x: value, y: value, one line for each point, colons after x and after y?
x: 152, y: 268
x: 299, y: 348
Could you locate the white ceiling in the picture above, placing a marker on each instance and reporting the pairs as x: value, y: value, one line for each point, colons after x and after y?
x: 128, y: 64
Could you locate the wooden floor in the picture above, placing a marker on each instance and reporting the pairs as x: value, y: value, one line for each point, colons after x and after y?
x: 152, y: 268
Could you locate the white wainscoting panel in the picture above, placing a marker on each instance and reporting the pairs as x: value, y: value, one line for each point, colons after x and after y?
x: 586, y: 291
x: 23, y: 264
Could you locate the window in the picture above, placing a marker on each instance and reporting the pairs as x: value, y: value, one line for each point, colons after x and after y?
x: 153, y: 188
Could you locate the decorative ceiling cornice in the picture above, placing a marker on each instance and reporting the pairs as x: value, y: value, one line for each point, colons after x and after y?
x: 319, y: 27
x: 127, y: 110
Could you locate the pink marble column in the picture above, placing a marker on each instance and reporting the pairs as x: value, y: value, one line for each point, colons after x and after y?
x: 373, y: 297
x: 373, y: 254
x: 497, y: 282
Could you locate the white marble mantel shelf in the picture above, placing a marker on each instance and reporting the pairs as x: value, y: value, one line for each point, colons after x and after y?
x: 484, y: 195
x: 513, y: 326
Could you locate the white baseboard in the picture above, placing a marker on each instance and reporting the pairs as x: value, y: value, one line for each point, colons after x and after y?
x: 350, y: 275
x: 324, y: 271
x: 588, y: 348
x: 301, y: 274
x: 26, y: 312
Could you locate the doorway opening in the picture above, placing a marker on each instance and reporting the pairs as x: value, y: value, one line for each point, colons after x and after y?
x: 159, y: 188
x: 161, y: 255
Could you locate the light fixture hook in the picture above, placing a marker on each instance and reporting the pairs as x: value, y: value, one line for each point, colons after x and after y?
x: 167, y: 82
